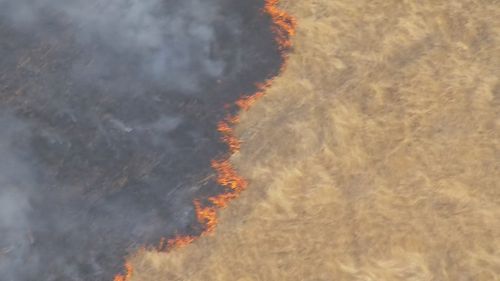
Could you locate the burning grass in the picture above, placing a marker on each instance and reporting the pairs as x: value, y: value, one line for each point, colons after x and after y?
x: 374, y: 156
x: 283, y: 27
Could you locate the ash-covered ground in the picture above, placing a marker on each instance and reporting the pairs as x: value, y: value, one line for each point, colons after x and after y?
x: 108, y: 113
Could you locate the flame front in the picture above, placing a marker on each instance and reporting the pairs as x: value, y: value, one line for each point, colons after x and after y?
x: 283, y: 28
x: 283, y: 24
x: 127, y: 275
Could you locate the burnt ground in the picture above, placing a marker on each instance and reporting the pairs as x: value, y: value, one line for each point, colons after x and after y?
x: 102, y: 156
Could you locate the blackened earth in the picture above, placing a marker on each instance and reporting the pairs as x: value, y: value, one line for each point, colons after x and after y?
x: 101, y: 154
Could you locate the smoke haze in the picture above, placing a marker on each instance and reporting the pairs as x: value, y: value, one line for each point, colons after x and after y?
x: 169, y: 40
x: 108, y: 124
x: 17, y: 182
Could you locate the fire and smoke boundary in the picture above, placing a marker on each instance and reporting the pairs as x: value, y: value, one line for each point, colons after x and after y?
x: 283, y: 27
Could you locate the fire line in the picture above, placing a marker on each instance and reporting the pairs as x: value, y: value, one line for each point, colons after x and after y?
x: 283, y: 27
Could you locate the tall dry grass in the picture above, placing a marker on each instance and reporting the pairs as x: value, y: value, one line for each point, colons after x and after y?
x: 375, y: 156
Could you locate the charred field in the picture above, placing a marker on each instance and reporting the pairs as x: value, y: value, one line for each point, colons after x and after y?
x: 109, y: 117
x: 374, y: 155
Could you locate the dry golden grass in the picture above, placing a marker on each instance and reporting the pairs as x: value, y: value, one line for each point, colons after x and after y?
x: 375, y: 156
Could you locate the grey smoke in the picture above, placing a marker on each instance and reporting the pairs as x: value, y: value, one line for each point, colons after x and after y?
x: 171, y: 41
x: 108, y: 115
x: 16, y: 185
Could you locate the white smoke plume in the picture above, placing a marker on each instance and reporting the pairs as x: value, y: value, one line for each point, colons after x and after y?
x: 172, y: 41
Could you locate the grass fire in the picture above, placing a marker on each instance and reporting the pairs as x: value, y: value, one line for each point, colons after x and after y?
x: 162, y: 140
x: 283, y: 28
x: 373, y: 155
x: 114, y: 129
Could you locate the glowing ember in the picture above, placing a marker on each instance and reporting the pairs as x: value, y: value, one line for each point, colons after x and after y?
x: 283, y: 28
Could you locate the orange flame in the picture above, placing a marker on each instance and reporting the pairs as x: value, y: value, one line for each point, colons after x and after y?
x: 283, y: 24
x: 207, y: 216
x: 283, y: 28
x: 127, y: 275
x: 246, y: 102
x: 179, y: 241
x: 228, y: 178
x: 225, y: 128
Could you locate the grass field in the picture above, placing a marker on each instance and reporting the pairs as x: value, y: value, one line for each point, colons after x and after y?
x: 374, y: 156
